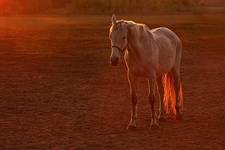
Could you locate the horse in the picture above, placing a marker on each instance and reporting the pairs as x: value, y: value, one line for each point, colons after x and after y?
x: 154, y: 54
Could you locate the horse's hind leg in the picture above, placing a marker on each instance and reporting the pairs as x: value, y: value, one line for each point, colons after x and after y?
x: 177, y: 79
x: 153, y: 93
x: 161, y: 115
x: 133, y: 88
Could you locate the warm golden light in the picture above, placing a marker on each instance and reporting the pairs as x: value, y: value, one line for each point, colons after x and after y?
x: 170, y: 95
x: 2, y: 3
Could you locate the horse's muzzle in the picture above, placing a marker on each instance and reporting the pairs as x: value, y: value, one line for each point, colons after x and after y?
x: 114, y: 61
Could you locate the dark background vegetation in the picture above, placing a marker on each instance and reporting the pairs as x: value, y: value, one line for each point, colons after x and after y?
x: 9, y: 7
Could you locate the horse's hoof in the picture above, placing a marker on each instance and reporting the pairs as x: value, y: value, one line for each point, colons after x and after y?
x: 154, y: 125
x: 131, y: 127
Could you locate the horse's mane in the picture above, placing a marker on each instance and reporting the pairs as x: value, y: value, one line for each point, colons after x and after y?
x: 123, y: 22
x: 132, y: 24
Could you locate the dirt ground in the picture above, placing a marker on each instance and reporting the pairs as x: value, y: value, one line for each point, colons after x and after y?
x: 58, y: 90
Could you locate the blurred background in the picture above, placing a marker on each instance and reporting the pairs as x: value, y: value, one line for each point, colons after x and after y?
x: 58, y: 90
x: 9, y: 7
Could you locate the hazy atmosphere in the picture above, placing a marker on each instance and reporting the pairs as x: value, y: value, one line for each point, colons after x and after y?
x: 102, y: 6
x: 59, y: 90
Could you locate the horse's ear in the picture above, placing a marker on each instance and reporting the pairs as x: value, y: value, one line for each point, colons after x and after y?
x: 113, y: 19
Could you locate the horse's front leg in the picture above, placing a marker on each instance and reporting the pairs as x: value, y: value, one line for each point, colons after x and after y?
x: 153, y: 93
x: 161, y: 115
x: 133, y: 89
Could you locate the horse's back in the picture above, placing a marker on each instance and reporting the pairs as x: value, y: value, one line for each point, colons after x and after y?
x: 165, y: 33
x: 168, y: 43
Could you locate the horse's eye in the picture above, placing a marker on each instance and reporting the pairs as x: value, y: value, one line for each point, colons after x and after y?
x: 124, y: 38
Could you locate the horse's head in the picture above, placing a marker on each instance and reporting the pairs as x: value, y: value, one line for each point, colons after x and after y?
x: 118, y: 37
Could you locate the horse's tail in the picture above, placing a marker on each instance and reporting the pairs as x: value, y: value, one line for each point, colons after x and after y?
x: 181, y: 96
x: 169, y: 93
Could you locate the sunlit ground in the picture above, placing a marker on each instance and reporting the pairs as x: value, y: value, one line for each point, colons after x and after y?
x: 59, y: 91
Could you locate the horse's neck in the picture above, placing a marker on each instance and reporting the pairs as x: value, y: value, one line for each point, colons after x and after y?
x: 142, y: 49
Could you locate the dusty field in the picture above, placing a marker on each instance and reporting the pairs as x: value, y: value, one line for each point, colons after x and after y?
x: 58, y: 91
